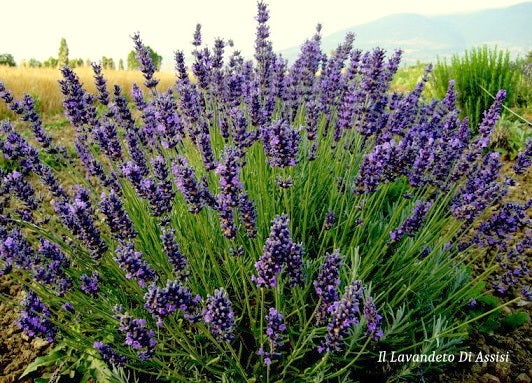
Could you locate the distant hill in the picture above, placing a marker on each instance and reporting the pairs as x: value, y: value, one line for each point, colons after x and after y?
x: 424, y: 38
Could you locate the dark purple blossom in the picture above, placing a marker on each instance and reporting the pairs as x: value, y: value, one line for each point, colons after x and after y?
x: 16, y: 183
x: 219, y: 315
x: 162, y: 302
x: 343, y: 315
x: 248, y: 214
x: 176, y: 258
x: 330, y: 220
x: 146, y: 65
x: 50, y: 268
x: 100, y: 83
x: 132, y: 263
x: 524, y: 159
x: 275, y: 331
x: 326, y: 284
x: 34, y: 318
x: 116, y: 217
x: 281, y: 143
x: 412, y: 224
x: 373, y: 320
x: 186, y: 182
x: 15, y: 250
x: 110, y: 356
x: 137, y: 335
x: 90, y: 285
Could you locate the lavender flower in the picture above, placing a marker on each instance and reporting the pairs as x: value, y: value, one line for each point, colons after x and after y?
x: 16, y: 250
x: 137, y: 335
x: 279, y: 251
x: 326, y: 284
x: 275, y: 329
x: 343, y: 315
x: 146, y: 65
x: 219, y: 315
x: 15, y: 183
x: 116, y: 217
x: 248, y: 215
x: 33, y: 318
x: 524, y: 159
x: 191, y: 189
x: 163, y: 302
x: 132, y: 263
x: 50, y: 268
x: 330, y: 220
x: 110, y: 356
x: 171, y: 249
x: 412, y: 223
x: 77, y: 102
x: 89, y: 285
x: 373, y: 320
x: 229, y: 171
x: 281, y: 143
x: 100, y: 83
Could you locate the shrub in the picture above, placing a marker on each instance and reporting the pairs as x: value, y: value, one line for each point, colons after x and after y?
x: 261, y: 223
x: 478, y: 68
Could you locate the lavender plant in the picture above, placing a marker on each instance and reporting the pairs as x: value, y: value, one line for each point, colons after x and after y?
x: 258, y: 223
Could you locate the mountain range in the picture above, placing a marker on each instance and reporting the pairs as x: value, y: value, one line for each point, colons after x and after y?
x: 425, y: 38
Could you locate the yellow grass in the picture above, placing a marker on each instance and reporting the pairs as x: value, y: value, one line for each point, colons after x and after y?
x: 41, y: 83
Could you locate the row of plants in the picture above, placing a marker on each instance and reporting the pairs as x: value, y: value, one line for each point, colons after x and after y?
x: 259, y: 223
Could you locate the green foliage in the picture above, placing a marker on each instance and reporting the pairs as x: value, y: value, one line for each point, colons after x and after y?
x: 62, y: 55
x: 478, y: 68
x: 50, y: 63
x: 510, y: 137
x: 516, y: 320
x: 7, y: 59
x: 108, y: 63
x: 121, y: 64
x: 133, y: 63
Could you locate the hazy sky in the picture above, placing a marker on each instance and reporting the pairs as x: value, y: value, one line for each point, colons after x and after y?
x: 33, y: 28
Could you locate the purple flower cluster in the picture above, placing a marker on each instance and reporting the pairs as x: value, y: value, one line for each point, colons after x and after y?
x: 343, y: 314
x: 162, y: 302
x: 326, y: 284
x: 34, y: 318
x: 90, y: 285
x: 412, y: 224
x: 137, y: 335
x: 279, y: 251
x: 524, y: 159
x: 116, y: 217
x: 191, y: 189
x: 373, y: 320
x: 281, y: 143
x: 110, y: 356
x: 146, y: 65
x: 50, y: 268
x: 176, y: 258
x: 219, y: 316
x: 275, y: 331
x: 133, y: 264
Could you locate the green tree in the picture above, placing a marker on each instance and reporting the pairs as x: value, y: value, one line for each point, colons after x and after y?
x: 108, y: 63
x: 133, y: 63
x: 50, y: 63
x: 34, y: 63
x: 120, y: 64
x: 62, y: 57
x: 7, y: 59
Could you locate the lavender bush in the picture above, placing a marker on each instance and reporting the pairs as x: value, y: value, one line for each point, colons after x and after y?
x: 258, y: 221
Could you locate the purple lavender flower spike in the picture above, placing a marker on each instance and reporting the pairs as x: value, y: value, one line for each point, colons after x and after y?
x: 132, y: 263
x: 279, y: 251
x: 248, y: 214
x: 281, y: 143
x: 15, y: 183
x: 77, y: 102
x: 146, y: 66
x: 33, y: 318
x: 330, y: 220
x: 176, y: 258
x: 50, y: 267
x: 163, y: 302
x: 229, y: 171
x: 207, y: 154
x: 110, y: 356
x: 186, y: 182
x: 275, y: 331
x: 326, y: 284
x: 343, y: 315
x: 90, y: 285
x: 373, y: 320
x: 524, y: 159
x: 197, y: 36
x: 15, y: 250
x: 219, y: 315
x: 227, y: 219
x: 412, y: 224
x: 100, y: 83
x: 137, y: 335
x: 116, y: 217
x: 169, y: 125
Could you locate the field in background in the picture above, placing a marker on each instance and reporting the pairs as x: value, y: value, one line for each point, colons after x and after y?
x: 41, y: 83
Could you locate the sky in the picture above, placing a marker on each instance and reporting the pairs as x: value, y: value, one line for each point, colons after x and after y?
x: 96, y: 28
